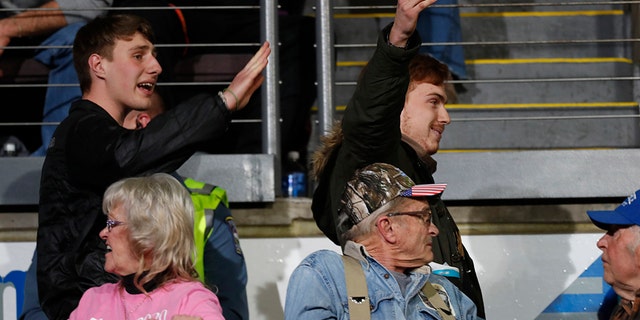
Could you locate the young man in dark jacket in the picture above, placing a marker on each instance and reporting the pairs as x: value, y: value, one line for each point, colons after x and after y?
x: 117, y: 68
x: 396, y: 116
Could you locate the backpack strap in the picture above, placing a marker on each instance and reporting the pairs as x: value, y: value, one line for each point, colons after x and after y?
x: 357, y: 294
x: 436, y: 301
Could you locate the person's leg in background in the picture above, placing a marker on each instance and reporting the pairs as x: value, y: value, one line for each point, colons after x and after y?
x: 60, y: 95
x: 441, y: 25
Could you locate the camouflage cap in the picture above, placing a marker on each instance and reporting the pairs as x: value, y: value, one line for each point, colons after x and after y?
x: 374, y: 186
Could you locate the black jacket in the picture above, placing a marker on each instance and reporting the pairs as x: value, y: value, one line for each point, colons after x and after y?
x: 88, y: 152
x: 371, y: 133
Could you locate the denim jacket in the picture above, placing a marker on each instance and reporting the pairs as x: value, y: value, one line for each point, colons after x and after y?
x: 317, y: 290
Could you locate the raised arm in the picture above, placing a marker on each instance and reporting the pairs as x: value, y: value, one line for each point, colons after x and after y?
x: 371, y: 122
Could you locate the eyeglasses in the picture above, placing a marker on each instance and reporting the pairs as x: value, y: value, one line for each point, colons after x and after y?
x: 112, y: 224
x: 425, y: 216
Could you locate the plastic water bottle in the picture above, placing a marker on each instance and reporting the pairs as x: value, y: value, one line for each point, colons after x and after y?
x: 9, y: 150
x: 294, y: 178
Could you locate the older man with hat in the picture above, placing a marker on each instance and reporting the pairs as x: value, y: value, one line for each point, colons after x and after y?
x: 388, y: 237
x: 620, y: 247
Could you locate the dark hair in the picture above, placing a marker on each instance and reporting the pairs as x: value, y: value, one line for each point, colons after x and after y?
x: 100, y: 35
x: 425, y: 68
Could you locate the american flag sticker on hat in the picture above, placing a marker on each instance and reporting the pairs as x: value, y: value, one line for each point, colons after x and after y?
x: 424, y: 190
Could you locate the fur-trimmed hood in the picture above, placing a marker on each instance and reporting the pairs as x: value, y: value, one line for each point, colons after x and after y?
x: 328, y: 146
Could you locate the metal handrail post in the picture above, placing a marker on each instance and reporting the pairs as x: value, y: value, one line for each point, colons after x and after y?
x: 325, y: 67
x: 635, y: 48
x: 270, y: 89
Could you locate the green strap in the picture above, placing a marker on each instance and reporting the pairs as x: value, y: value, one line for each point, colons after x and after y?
x: 357, y: 294
x: 206, y: 198
x: 436, y: 301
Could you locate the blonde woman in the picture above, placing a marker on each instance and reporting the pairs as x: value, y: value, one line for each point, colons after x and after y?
x: 149, y: 239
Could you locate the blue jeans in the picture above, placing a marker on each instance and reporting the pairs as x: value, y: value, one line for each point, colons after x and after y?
x: 58, y: 99
x: 443, y: 25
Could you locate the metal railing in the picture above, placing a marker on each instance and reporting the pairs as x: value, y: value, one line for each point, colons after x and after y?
x: 630, y: 12
x: 325, y: 12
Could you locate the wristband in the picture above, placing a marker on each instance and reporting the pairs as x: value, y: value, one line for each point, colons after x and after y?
x: 234, y: 96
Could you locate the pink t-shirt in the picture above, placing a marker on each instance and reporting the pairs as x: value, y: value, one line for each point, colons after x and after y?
x: 108, y: 301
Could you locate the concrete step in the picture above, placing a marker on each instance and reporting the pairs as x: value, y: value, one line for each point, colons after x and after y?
x: 357, y: 33
x: 542, y: 68
x: 548, y: 91
x: 528, y: 81
x: 543, y: 126
x: 568, y: 33
x: 531, y: 5
x: 539, y: 35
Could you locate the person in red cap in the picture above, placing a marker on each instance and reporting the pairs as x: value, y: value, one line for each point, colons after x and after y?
x: 389, y: 244
x: 620, y: 247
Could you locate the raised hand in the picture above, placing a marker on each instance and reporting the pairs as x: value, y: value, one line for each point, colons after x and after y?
x: 248, y: 80
x: 404, y: 23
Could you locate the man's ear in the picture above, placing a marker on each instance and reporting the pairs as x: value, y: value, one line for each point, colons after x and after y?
x: 386, y: 229
x: 96, y: 66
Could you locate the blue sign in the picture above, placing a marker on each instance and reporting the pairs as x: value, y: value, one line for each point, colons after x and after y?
x: 16, y: 279
x: 587, y: 297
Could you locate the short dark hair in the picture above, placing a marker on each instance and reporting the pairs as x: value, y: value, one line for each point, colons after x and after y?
x: 100, y: 35
x: 425, y: 68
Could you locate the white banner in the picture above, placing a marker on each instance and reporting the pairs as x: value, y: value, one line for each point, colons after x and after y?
x: 522, y: 276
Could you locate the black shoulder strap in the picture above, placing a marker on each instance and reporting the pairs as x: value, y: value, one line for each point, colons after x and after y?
x: 357, y: 293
